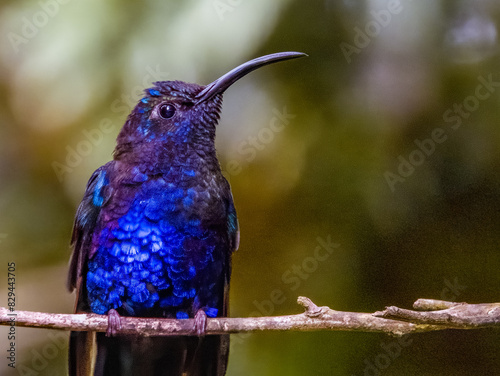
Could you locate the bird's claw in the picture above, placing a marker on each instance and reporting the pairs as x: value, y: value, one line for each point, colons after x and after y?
x: 200, y: 323
x: 114, y: 323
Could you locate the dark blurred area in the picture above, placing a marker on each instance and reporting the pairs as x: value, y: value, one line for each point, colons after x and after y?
x: 381, y: 148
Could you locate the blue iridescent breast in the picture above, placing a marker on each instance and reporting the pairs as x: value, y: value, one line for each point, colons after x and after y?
x: 158, y: 255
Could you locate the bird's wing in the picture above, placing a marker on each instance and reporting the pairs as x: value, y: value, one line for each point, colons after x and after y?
x: 96, y: 196
x: 233, y: 226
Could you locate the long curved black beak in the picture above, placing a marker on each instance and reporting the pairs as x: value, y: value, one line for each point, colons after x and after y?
x: 222, y: 83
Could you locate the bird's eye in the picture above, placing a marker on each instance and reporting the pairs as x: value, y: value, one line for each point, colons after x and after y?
x: 167, y: 111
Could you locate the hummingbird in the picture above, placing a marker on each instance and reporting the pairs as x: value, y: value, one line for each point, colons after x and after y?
x: 154, y: 235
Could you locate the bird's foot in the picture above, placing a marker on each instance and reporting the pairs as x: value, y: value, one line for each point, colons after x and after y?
x: 114, y: 323
x: 200, y: 323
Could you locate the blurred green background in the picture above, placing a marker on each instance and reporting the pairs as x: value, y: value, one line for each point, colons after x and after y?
x: 383, y: 144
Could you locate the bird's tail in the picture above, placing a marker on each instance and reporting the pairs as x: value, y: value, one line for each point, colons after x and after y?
x: 148, y: 356
x: 81, y: 353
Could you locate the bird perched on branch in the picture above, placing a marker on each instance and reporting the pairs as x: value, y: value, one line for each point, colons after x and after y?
x: 154, y: 234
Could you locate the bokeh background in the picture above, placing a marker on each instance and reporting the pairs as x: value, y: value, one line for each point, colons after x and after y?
x: 383, y: 144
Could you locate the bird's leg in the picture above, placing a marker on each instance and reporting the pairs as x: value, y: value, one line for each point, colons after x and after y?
x: 200, y: 323
x: 114, y: 323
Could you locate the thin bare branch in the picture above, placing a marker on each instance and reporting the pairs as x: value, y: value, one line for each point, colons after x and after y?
x: 393, y: 320
x: 452, y: 315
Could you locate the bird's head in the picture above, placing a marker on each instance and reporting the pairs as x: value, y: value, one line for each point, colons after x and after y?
x: 179, y: 113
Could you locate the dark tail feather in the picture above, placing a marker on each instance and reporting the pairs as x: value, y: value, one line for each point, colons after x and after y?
x: 156, y: 356
x: 209, y: 356
x: 81, y: 353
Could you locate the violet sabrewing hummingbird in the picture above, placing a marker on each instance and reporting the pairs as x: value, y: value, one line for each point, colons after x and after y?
x: 154, y: 234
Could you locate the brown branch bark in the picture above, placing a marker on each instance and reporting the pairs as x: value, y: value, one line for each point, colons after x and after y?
x: 452, y: 315
x: 393, y: 320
